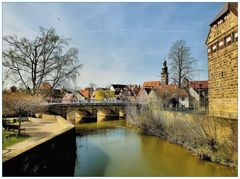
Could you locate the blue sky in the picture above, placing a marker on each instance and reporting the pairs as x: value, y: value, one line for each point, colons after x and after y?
x: 118, y: 42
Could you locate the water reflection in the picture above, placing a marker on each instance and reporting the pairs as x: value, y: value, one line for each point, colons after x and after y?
x: 166, y: 159
x: 86, y: 164
x: 112, y: 149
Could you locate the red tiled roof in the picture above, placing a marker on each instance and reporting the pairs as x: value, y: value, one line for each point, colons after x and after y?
x: 85, y: 93
x: 151, y: 83
x: 45, y: 85
x: 173, y: 86
x: 198, y: 84
x: 170, y: 90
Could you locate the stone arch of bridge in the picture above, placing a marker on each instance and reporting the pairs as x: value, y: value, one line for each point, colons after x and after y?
x: 78, y: 115
x: 81, y: 113
x: 106, y: 113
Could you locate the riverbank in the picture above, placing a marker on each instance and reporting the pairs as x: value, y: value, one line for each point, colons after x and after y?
x: 43, y: 153
x: 113, y: 148
x: 209, y: 138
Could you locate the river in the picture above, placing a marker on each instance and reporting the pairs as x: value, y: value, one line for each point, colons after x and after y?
x: 113, y: 148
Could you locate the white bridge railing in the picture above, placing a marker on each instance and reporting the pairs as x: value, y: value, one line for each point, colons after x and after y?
x: 92, y: 102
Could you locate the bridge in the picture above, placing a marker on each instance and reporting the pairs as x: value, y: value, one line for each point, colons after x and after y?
x: 79, y: 111
x: 93, y: 102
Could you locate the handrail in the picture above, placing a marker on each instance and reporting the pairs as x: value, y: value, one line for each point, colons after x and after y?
x: 52, y: 102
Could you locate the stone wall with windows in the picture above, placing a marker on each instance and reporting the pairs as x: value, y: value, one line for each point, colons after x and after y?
x: 222, y: 44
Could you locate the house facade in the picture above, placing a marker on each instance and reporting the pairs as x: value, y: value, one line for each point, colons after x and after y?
x: 144, y: 94
x: 79, y: 96
x: 184, y: 99
x: 223, y: 63
x: 69, y: 97
x: 117, y: 87
x: 87, y: 92
x: 45, y: 86
x: 169, y: 97
x: 198, y: 93
x: 103, y: 94
x: 135, y: 89
x: 198, y: 90
x: 118, y: 90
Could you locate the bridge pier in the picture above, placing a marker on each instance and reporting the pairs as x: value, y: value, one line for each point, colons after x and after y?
x: 71, y: 117
x: 106, y: 114
x: 77, y: 116
x: 122, y: 113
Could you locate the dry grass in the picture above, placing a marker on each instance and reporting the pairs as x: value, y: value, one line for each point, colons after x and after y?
x: 208, y: 137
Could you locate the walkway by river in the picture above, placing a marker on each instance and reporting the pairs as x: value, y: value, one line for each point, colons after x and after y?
x: 37, y: 129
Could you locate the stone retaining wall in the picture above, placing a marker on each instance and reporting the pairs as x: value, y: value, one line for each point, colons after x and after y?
x: 54, y: 155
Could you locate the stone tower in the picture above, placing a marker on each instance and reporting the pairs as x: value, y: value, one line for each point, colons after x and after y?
x: 164, y: 74
x: 223, y: 63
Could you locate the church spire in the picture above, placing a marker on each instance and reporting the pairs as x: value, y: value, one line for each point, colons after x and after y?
x: 164, y: 74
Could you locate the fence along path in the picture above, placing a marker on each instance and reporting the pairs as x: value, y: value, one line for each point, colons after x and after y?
x: 93, y: 102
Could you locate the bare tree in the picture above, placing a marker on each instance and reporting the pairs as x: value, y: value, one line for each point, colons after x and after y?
x: 45, y: 58
x: 181, y: 62
x: 21, y: 104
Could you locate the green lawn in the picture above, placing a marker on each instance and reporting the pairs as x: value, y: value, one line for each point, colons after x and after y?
x: 10, y: 138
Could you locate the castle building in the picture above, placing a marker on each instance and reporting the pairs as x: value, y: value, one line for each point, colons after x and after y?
x: 164, y: 74
x: 223, y: 63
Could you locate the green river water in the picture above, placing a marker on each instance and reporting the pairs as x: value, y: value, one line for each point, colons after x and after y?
x: 114, y: 149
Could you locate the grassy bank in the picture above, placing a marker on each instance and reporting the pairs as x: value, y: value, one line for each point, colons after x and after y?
x: 10, y: 138
x: 209, y: 138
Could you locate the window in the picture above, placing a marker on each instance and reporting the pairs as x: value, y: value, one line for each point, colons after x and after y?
x: 209, y: 50
x: 183, y: 99
x: 221, y: 44
x: 233, y: 36
x: 225, y: 41
x: 214, y: 48
x: 229, y: 40
x: 220, y: 22
x: 217, y: 45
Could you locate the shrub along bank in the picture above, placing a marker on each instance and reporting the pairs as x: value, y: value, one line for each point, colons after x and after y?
x: 210, y: 138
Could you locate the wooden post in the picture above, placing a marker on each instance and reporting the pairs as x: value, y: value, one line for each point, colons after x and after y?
x: 19, y: 126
